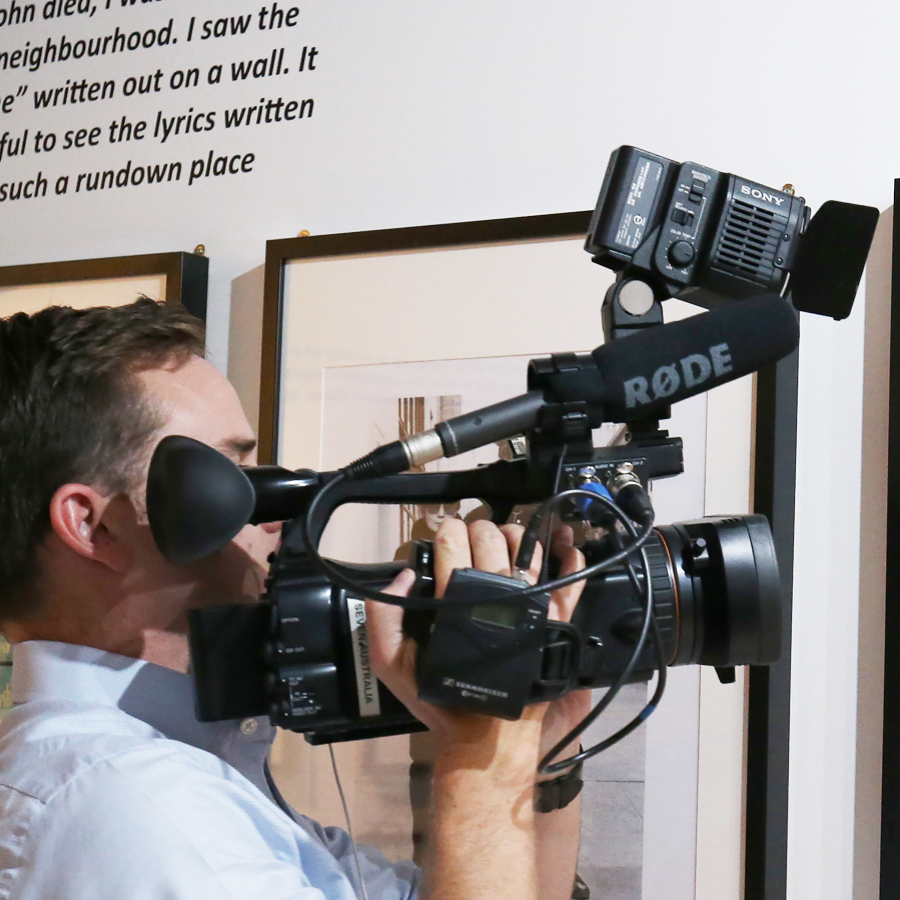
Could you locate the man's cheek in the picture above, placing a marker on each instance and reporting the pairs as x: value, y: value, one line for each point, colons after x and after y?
x: 254, y: 585
x: 258, y: 543
x: 235, y: 576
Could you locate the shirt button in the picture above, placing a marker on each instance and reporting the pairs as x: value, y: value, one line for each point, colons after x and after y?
x: 249, y: 726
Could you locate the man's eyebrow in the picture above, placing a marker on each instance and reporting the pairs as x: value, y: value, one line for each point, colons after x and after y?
x: 239, y: 446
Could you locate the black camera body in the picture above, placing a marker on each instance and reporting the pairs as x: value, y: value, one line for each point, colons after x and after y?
x: 301, y: 656
x: 709, y: 588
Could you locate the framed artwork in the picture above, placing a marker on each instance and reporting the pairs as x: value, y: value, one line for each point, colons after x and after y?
x: 113, y: 281
x: 110, y: 281
x: 374, y: 335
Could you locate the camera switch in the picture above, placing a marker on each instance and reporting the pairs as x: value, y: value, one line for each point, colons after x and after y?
x: 682, y: 216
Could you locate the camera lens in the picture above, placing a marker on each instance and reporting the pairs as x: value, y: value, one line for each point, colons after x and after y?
x: 716, y: 597
x: 721, y: 605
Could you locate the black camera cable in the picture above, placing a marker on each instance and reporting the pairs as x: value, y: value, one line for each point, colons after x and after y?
x: 622, y: 555
x: 546, y: 767
x: 640, y: 505
x: 529, y: 539
x: 341, y: 579
x: 653, y: 702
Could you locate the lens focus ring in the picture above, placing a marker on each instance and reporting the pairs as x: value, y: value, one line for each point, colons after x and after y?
x: 665, y: 598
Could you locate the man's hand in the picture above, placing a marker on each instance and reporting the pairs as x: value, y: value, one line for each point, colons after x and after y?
x: 483, y: 837
x: 484, y: 546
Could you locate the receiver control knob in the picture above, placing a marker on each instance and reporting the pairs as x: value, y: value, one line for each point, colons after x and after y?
x: 681, y: 254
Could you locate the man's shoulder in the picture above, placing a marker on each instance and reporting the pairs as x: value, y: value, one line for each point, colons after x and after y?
x: 47, y: 744
x: 68, y: 765
x: 87, y: 789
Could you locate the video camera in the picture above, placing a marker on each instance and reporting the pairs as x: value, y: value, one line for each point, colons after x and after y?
x: 700, y: 592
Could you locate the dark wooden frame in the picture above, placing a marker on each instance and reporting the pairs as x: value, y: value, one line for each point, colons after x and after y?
x: 389, y: 240
x: 773, y: 494
x: 186, y: 274
x: 769, y: 693
x: 890, y: 767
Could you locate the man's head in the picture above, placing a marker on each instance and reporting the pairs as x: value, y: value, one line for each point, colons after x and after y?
x: 435, y: 513
x: 85, y: 395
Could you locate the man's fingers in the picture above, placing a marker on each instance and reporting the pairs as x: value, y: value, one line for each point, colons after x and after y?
x: 492, y: 549
x: 384, y: 624
x: 571, y: 559
x: 562, y: 538
x: 401, y: 585
x: 513, y: 535
x: 451, y: 551
x: 490, y: 552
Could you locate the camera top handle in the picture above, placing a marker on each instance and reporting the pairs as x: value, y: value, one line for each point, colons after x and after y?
x: 198, y: 499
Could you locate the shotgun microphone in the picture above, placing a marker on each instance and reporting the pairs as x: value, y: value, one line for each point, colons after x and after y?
x: 642, y: 374
x: 627, y: 379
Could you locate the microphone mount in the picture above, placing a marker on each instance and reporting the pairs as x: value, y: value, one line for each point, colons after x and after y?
x: 565, y: 426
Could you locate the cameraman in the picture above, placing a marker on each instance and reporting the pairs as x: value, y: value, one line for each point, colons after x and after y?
x: 109, y: 787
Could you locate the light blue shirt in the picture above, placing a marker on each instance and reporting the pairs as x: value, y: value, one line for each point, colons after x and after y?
x: 111, y: 790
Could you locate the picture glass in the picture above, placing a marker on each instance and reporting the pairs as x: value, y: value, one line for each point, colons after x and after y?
x: 30, y: 298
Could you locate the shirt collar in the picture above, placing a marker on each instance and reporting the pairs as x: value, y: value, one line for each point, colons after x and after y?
x: 160, y: 697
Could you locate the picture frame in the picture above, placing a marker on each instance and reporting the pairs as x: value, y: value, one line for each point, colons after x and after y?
x: 757, y: 854
x: 878, y: 720
x: 182, y: 278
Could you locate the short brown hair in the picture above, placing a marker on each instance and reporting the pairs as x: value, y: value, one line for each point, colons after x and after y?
x: 71, y: 410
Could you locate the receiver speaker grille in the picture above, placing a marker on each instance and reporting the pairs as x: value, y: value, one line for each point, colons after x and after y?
x: 749, y: 242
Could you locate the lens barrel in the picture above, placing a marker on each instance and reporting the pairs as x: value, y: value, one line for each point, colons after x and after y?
x: 724, y: 576
x: 716, y: 598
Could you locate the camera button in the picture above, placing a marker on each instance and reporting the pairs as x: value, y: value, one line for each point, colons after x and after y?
x: 681, y: 254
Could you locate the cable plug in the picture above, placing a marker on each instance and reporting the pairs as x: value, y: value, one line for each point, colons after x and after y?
x: 629, y: 494
x: 391, y: 459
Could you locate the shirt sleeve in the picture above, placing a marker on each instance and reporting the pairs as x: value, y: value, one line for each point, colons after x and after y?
x: 383, y: 879
x: 146, y: 826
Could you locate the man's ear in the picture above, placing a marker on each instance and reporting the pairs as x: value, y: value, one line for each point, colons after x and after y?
x: 77, y: 517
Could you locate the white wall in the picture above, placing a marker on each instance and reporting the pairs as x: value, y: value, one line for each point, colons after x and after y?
x: 445, y: 112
